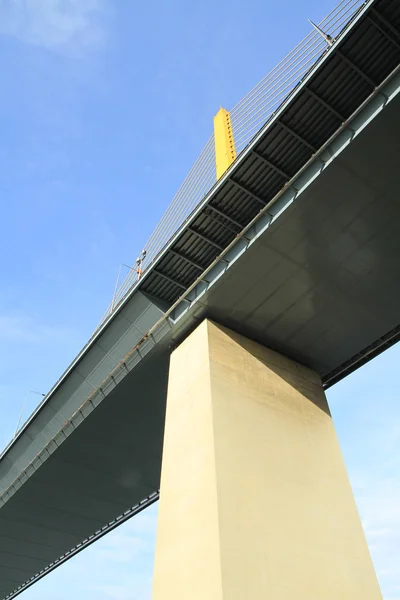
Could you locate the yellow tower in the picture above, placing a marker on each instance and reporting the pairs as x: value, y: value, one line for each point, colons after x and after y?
x: 225, y: 152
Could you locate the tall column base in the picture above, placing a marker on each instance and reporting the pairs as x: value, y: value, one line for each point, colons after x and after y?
x: 255, y: 500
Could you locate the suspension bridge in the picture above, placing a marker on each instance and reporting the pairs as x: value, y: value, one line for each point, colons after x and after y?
x: 278, y: 256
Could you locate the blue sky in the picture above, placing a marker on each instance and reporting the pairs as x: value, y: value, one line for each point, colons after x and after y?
x: 105, y: 105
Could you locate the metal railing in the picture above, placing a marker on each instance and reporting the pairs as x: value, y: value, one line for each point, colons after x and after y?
x: 247, y: 117
x: 259, y: 105
x: 197, y: 183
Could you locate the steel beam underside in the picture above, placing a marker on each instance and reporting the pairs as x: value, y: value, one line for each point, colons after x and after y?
x: 321, y: 283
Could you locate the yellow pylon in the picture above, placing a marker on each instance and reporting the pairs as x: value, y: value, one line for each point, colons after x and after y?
x: 225, y: 152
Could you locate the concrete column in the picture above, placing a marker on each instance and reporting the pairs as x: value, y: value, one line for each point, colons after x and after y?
x: 255, y: 499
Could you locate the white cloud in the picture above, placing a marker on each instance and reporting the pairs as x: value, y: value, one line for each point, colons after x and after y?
x: 23, y: 328
x: 367, y: 416
x: 379, y: 505
x: 122, y: 547
x: 129, y: 542
x: 377, y: 492
x: 120, y: 564
x: 53, y: 23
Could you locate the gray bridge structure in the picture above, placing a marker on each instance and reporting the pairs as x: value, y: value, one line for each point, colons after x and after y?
x: 296, y: 246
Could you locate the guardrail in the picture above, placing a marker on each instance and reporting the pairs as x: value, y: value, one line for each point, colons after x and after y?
x: 247, y: 117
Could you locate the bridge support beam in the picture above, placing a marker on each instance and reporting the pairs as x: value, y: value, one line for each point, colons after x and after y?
x: 255, y: 499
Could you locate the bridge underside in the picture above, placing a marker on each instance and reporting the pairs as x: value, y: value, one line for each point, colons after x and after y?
x: 321, y: 285
x: 111, y: 464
